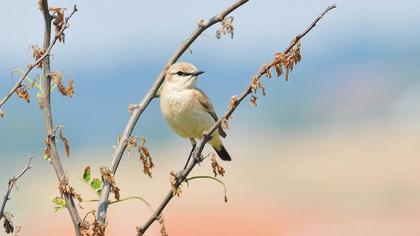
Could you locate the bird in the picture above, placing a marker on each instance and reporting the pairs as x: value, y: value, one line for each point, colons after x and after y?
x: 187, y: 109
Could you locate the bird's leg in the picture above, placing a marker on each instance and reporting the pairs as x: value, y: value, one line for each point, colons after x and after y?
x: 194, y: 144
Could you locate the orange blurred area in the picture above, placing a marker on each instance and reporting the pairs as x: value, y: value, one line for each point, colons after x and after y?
x: 334, y: 181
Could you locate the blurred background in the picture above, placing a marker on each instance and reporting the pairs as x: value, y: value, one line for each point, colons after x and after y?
x: 334, y: 151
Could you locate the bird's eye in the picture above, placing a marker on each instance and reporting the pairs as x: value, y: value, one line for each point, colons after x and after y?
x: 180, y: 73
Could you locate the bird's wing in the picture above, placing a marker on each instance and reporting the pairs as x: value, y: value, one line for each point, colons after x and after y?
x: 208, y: 107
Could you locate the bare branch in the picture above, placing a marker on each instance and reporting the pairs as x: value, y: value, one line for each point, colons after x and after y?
x: 46, y: 107
x: 197, y: 156
x: 11, y: 184
x: 46, y: 53
x: 139, y: 108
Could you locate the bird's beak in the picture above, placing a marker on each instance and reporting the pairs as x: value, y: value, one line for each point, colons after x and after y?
x: 198, y: 73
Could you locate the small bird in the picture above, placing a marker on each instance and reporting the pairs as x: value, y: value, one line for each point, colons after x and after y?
x: 187, y: 109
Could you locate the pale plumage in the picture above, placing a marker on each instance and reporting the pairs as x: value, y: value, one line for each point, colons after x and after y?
x: 186, y: 108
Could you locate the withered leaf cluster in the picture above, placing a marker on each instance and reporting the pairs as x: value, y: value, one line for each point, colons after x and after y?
x: 161, y: 221
x: 109, y: 177
x: 59, y: 22
x: 65, y: 188
x: 37, y: 53
x: 217, y: 168
x: 173, y: 179
x: 22, y: 92
x: 7, y: 223
x: 227, y: 27
x: 144, y: 154
x: 286, y: 61
x: 145, y: 158
x: 57, y: 78
x: 282, y: 62
x: 97, y: 228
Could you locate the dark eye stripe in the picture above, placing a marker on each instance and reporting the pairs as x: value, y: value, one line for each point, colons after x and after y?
x: 181, y: 73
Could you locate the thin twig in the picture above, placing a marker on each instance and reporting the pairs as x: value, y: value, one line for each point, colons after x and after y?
x: 125, y: 199
x: 11, y: 184
x: 207, y: 136
x: 46, y: 107
x: 39, y: 60
x: 139, y: 108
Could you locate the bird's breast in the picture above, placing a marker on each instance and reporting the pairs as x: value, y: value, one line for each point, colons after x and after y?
x: 184, y: 113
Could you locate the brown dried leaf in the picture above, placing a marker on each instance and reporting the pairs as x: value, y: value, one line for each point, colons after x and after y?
x: 58, y: 22
x: 217, y: 168
x: 279, y: 70
x: 1, y: 114
x: 22, y: 92
x: 8, y: 224
x: 65, y: 188
x: 253, y: 100
x: 173, y: 179
x: 98, y: 228
x: 227, y: 27
x: 161, y: 221
x: 109, y: 177
x: 65, y: 142
x: 57, y: 79
x: 37, y: 53
x: 145, y: 158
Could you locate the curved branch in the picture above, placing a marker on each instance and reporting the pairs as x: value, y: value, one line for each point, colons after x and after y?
x: 139, y: 108
x: 11, y: 184
x: 46, y: 107
x: 47, y: 51
x: 197, y: 157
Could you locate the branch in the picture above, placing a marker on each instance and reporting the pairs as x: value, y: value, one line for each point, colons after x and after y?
x: 46, y: 53
x: 139, y: 108
x: 197, y: 157
x: 11, y: 184
x: 46, y: 107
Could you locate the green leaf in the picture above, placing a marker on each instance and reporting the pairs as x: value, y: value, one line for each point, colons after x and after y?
x: 59, y: 203
x: 47, y: 157
x: 96, y: 184
x: 87, y: 174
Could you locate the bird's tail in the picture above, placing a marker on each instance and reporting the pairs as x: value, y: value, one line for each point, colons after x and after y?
x: 223, y: 154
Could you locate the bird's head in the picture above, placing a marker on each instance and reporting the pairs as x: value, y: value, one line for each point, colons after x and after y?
x: 182, y: 75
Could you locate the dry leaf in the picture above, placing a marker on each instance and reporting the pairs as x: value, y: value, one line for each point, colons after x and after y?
x: 37, y: 53
x: 22, y: 92
x: 227, y: 27
x: 217, y: 168
x: 59, y: 22
x: 57, y: 78
x: 109, y: 177
x: 65, y: 188
x: 65, y: 142
x: 145, y: 158
x: 173, y: 179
